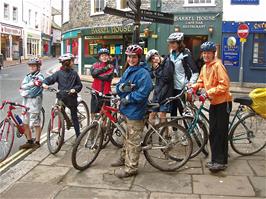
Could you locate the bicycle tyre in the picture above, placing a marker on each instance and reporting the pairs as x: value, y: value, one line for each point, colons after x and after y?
x: 42, y: 118
x: 87, y: 113
x: 165, y: 146
x: 5, y: 139
x: 106, y: 133
x: 199, y: 138
x: 78, y: 146
x: 235, y: 134
x: 61, y: 133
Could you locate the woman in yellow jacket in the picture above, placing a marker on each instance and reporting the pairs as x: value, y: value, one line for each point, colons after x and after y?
x: 214, y: 84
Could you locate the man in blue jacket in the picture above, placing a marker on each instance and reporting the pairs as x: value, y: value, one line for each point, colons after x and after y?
x: 133, y: 89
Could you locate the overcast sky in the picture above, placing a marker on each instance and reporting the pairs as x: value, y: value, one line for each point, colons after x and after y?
x: 57, y: 4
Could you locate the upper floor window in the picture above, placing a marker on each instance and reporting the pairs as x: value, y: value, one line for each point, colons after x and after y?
x: 6, y: 11
x: 195, y: 3
x: 259, y: 49
x: 97, y: 6
x: 121, y: 4
x: 15, y: 14
x: 29, y: 19
x: 36, y: 19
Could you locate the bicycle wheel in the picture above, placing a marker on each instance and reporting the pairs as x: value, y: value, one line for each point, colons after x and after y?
x: 42, y: 117
x: 168, y: 148
x: 83, y: 114
x: 199, y: 134
x: 56, y: 132
x: 248, y: 135
x: 87, y: 147
x: 106, y: 130
x: 6, y: 138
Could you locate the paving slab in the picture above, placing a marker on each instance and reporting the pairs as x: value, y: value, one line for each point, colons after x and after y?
x: 53, y: 159
x: 82, y: 192
x: 31, y: 190
x: 160, y: 195
x: 227, y: 197
x: 97, y: 178
x: 39, y: 154
x: 162, y: 181
x: 46, y: 174
x: 258, y: 166
x: 229, y: 185
x: 15, y: 173
x: 259, y: 185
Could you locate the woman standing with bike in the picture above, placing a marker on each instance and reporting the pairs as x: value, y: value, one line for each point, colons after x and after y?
x: 214, y: 84
x: 133, y: 88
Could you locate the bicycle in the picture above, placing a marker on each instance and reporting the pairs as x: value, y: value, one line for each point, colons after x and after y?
x: 60, y: 119
x: 7, y: 128
x: 157, y: 149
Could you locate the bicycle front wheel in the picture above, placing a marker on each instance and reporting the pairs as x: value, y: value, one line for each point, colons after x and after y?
x: 56, y: 132
x: 248, y: 135
x: 42, y: 115
x: 87, y: 147
x: 83, y: 114
x: 168, y: 147
x: 6, y: 138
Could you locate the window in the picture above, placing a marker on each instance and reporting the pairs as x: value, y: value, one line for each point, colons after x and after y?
x: 195, y: 3
x: 15, y: 14
x: 259, y: 49
x: 36, y: 19
x: 6, y: 11
x: 97, y: 6
x: 121, y: 4
x: 29, y: 16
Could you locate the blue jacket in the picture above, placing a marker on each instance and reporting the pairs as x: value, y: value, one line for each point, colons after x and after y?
x: 138, y: 98
x: 28, y: 89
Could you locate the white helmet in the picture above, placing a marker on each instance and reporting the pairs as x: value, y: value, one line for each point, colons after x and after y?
x: 66, y: 57
x: 176, y: 36
x: 150, y: 53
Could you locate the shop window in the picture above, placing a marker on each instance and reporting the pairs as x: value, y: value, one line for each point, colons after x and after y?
x: 97, y: 6
x: 259, y: 50
x: 196, y: 3
x: 15, y: 14
x: 6, y: 11
x: 121, y: 4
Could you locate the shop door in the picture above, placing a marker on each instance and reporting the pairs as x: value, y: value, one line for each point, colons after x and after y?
x: 193, y: 44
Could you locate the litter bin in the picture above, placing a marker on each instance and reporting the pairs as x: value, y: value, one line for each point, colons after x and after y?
x: 1, y: 61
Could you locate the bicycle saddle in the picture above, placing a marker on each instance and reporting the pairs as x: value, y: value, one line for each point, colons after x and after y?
x: 243, y: 100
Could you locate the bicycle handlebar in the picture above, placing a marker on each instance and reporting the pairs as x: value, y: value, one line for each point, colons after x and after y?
x: 13, y: 104
x: 111, y: 96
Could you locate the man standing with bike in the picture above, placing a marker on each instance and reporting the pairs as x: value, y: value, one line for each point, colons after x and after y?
x: 31, y: 91
x: 214, y: 84
x: 69, y: 85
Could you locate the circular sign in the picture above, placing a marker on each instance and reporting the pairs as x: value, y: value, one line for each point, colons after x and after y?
x: 243, y: 30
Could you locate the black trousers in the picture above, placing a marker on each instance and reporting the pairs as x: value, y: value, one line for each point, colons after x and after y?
x: 176, y: 104
x: 219, y: 124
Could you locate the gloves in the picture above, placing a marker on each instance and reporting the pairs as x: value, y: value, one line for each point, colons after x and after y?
x: 203, y: 97
x: 126, y: 87
x: 124, y: 101
x: 37, y: 82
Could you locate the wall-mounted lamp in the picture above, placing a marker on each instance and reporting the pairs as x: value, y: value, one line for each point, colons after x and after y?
x: 210, y: 30
x: 146, y: 32
x: 177, y: 29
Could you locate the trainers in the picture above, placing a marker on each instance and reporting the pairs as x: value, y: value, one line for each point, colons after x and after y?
x: 37, y: 145
x: 216, y: 167
x: 28, y: 145
x: 208, y: 164
x: 118, y: 163
x: 121, y: 173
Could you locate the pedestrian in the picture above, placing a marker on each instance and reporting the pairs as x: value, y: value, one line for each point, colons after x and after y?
x: 214, y: 84
x: 31, y: 91
x: 102, y: 73
x: 163, y: 70
x: 133, y: 88
x: 186, y: 71
x: 69, y: 86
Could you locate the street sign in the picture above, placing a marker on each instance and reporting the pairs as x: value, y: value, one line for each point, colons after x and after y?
x: 131, y: 4
x: 157, y: 14
x: 243, y: 31
x: 120, y: 13
x: 156, y: 19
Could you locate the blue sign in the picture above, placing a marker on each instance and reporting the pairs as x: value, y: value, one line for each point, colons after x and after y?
x: 254, y: 27
x: 231, y: 51
x: 245, y: 2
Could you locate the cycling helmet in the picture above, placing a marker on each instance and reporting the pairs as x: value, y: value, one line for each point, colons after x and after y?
x: 134, y: 50
x: 176, y: 36
x: 103, y: 51
x: 150, y: 53
x: 66, y: 57
x: 34, y: 61
x: 208, y: 46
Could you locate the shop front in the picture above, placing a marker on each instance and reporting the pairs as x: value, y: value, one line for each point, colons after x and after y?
x: 46, y: 45
x: 254, y: 54
x: 11, y: 42
x: 33, y: 43
x: 197, y: 28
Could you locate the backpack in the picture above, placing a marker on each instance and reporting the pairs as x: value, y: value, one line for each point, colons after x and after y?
x: 258, y: 97
x: 188, y: 64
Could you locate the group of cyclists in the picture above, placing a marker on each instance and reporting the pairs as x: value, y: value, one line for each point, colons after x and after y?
x: 165, y: 76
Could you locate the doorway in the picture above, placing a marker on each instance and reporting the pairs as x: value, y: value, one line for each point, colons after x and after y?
x: 193, y: 44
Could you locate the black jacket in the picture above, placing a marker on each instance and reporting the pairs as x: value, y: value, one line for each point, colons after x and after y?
x: 164, y: 83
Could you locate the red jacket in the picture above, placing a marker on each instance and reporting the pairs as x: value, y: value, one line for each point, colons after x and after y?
x: 102, y: 73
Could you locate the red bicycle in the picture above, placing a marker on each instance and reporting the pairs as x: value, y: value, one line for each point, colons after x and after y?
x: 7, y: 128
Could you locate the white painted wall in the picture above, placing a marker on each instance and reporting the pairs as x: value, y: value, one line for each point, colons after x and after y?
x: 12, y: 3
x: 244, y: 12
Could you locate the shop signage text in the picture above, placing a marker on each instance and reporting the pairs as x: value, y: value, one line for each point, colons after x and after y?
x: 111, y: 30
x: 197, y: 22
x: 231, y: 51
x: 254, y: 27
x: 10, y: 31
x: 245, y: 2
